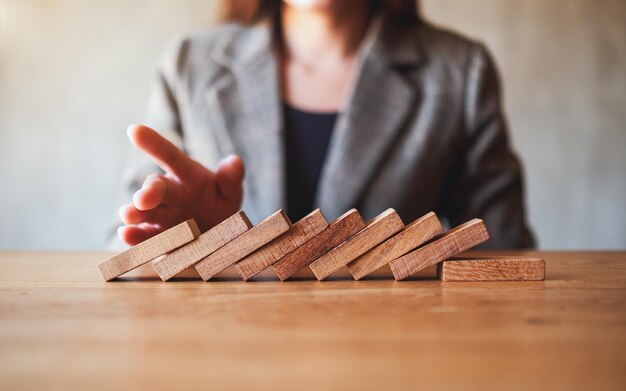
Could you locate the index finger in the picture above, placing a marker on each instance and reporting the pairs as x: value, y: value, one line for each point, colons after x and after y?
x: 165, y: 154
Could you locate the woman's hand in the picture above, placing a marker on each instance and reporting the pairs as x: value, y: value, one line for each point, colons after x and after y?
x: 187, y: 190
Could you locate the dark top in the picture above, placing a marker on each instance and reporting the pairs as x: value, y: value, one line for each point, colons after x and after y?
x: 307, y: 136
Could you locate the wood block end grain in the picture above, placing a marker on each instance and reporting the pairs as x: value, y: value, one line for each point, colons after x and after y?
x: 149, y: 249
x: 409, y: 238
x: 244, y: 245
x: 501, y: 268
x: 266, y: 256
x: 444, y: 246
x: 379, y: 229
x: 203, y: 246
x: 338, y: 231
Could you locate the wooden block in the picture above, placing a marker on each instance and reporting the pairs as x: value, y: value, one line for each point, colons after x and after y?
x: 244, y: 245
x: 411, y: 237
x: 379, y: 229
x: 149, y: 249
x: 446, y: 245
x: 202, y: 247
x: 492, y: 269
x: 339, y: 230
x: 266, y: 256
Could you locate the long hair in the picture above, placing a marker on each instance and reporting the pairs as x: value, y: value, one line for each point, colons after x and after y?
x: 402, y: 12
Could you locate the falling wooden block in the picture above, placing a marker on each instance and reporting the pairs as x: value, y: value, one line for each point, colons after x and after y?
x: 250, y: 241
x: 412, y: 236
x: 149, y: 249
x: 266, y: 256
x: 202, y: 247
x: 338, y: 231
x: 379, y: 229
x: 445, y: 246
x: 492, y: 269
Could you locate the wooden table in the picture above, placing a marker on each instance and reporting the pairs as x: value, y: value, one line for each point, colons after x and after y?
x: 62, y: 327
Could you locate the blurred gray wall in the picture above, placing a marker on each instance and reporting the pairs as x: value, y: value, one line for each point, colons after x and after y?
x: 75, y: 73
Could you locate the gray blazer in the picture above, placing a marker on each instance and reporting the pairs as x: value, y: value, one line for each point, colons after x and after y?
x: 423, y: 129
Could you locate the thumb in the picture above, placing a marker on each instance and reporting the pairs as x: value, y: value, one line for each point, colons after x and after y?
x: 229, y: 175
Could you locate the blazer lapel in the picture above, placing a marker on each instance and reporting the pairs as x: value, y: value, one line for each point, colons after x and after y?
x: 246, y: 117
x: 380, y: 102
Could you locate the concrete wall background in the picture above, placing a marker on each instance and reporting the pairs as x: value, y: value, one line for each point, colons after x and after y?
x: 74, y: 74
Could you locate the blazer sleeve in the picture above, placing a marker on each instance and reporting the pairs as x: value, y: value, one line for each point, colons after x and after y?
x: 162, y: 115
x: 486, y: 180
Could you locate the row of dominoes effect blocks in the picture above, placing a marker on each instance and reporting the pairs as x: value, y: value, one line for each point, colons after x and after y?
x: 324, y: 247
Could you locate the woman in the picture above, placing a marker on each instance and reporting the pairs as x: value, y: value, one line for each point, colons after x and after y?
x: 330, y: 104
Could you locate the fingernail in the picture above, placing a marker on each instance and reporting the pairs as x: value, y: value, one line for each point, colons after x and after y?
x: 230, y: 159
x: 120, y: 212
x: 130, y: 130
x: 136, y: 197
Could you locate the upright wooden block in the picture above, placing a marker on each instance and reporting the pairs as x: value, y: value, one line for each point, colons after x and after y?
x: 149, y: 249
x: 412, y: 236
x: 202, y: 247
x: 379, y: 229
x: 266, y: 256
x: 492, y: 269
x: 339, y: 230
x: 447, y: 245
x: 250, y: 241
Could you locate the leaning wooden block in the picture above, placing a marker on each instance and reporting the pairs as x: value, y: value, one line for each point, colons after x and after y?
x: 412, y: 236
x: 492, y: 269
x: 253, y: 239
x: 149, y: 249
x: 202, y: 247
x: 447, y: 245
x: 266, y: 256
x: 379, y: 229
x: 339, y: 230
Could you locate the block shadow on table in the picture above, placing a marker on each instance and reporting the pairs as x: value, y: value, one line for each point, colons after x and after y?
x: 146, y: 273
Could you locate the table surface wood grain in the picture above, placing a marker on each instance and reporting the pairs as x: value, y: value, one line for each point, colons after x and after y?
x: 62, y: 327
